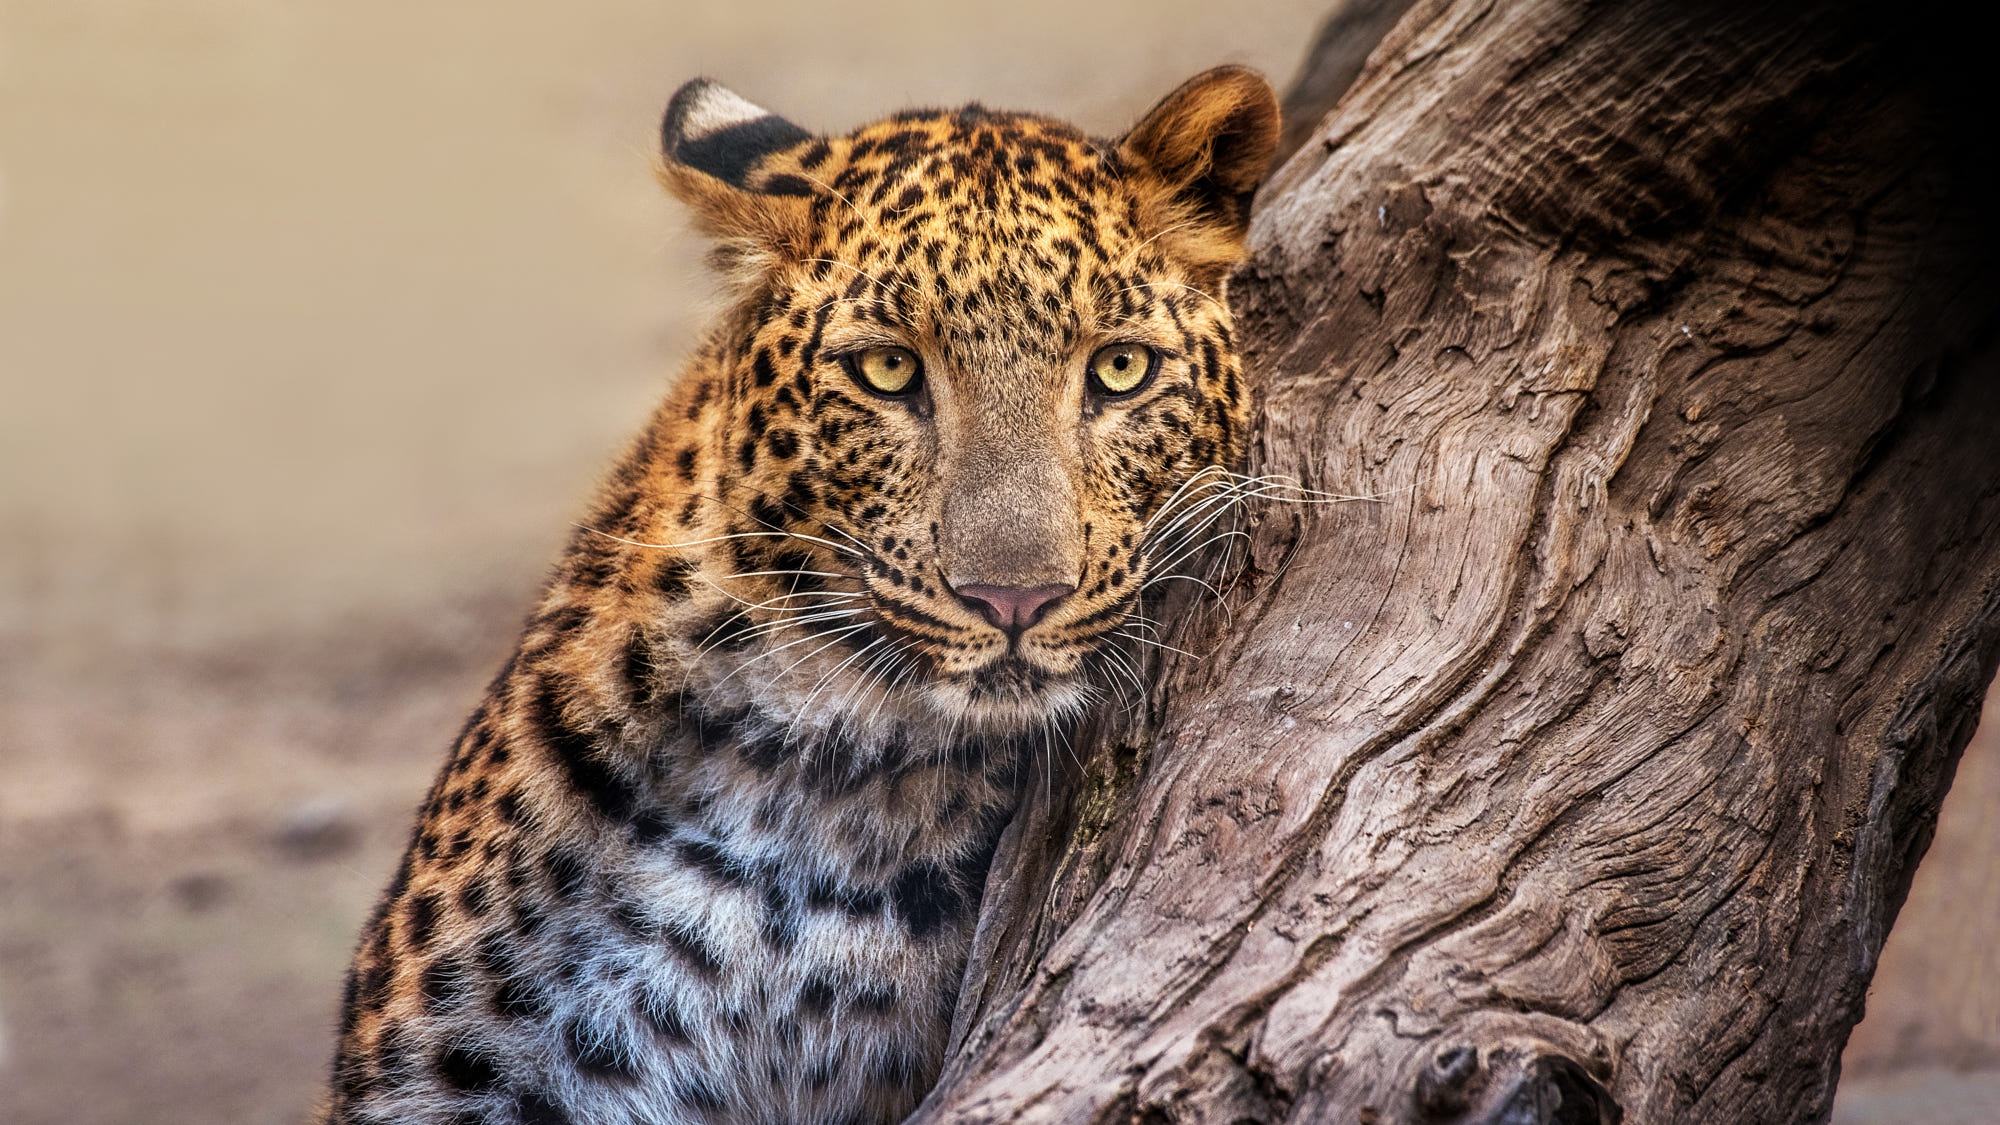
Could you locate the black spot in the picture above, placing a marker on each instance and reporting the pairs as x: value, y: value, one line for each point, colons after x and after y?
x: 535, y: 1108
x: 600, y: 1051
x: 443, y: 984
x: 392, y: 1055
x: 693, y: 948
x: 517, y: 998
x: 781, y: 922
x: 799, y: 492
x: 787, y: 184
x: 468, y: 1067
x: 420, y: 920
x: 372, y: 989
x: 876, y: 999
x: 715, y: 728
x: 663, y: 1015
x: 713, y: 862
x: 350, y: 993
x: 567, y: 869
x: 696, y: 1093
x: 634, y: 918
x: 898, y: 1069
x: 765, y: 754
x: 352, y: 1076
x: 674, y: 576
x: 508, y: 806
x: 926, y: 897
x: 651, y: 826
x: 514, y: 995
x: 528, y: 916
x: 472, y: 897
x: 730, y: 631
x: 856, y: 902
x: 581, y: 760
x: 639, y: 669
x: 767, y: 513
x: 399, y: 882
x: 566, y: 621
x: 783, y: 443
x: 817, y: 996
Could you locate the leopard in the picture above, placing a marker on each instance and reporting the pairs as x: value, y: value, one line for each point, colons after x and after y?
x: 712, y: 845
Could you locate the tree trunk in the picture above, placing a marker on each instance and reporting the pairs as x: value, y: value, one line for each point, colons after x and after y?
x: 1577, y: 775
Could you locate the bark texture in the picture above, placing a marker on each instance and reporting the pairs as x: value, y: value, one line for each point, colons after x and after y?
x: 1578, y: 776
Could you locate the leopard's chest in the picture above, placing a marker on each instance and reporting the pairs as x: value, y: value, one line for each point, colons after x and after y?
x: 766, y: 943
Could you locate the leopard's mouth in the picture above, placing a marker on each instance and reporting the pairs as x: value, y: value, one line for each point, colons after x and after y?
x: 995, y: 680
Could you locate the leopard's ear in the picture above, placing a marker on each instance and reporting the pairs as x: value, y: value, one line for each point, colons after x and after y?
x: 1208, y: 145
x: 725, y: 158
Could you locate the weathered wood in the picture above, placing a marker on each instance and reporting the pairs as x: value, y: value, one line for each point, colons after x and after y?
x: 1578, y: 775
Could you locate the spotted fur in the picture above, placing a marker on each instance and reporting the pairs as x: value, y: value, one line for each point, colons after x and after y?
x: 711, y: 847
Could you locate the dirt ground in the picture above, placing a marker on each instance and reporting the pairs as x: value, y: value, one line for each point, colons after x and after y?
x: 316, y: 321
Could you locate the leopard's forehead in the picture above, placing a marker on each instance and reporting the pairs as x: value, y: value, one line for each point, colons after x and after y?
x: 973, y: 156
x: 987, y: 231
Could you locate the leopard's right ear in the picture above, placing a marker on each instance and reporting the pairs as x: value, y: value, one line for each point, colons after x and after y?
x: 726, y: 159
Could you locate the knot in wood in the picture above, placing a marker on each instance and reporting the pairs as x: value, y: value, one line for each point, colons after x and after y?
x: 1445, y: 1086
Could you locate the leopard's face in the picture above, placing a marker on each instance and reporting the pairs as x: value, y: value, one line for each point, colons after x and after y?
x: 982, y: 360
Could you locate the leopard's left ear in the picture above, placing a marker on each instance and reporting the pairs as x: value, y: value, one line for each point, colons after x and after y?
x: 726, y: 159
x: 1209, y: 145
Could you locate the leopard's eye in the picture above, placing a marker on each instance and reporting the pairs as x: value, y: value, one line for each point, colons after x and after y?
x: 1120, y: 369
x: 886, y: 370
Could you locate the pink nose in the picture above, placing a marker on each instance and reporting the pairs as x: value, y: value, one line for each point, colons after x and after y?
x: 1012, y: 608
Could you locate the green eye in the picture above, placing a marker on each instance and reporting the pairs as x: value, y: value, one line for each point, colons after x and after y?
x: 1120, y: 368
x: 886, y: 370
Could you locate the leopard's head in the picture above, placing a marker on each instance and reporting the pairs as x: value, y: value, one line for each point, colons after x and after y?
x: 978, y: 361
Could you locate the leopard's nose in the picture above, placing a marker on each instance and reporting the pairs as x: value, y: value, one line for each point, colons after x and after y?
x: 1012, y: 609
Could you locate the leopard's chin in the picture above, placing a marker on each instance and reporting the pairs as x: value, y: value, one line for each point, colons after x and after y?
x: 1011, y: 696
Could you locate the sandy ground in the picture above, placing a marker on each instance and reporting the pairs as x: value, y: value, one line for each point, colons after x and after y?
x: 316, y: 321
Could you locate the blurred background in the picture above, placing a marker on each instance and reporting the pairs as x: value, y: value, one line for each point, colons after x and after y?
x: 317, y: 321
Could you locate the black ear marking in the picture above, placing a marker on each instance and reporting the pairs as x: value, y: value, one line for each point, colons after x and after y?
x: 714, y: 131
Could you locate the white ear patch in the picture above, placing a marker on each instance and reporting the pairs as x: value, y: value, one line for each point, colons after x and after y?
x: 711, y: 129
x: 713, y: 108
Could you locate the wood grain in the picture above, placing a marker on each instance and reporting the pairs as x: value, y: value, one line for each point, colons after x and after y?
x: 1578, y: 775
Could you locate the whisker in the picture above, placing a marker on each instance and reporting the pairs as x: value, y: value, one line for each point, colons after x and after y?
x: 794, y: 509
x: 837, y: 636
x: 725, y: 538
x: 1188, y: 552
x: 777, y: 573
x: 833, y: 597
x: 769, y: 627
x: 827, y: 676
x: 1157, y: 644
